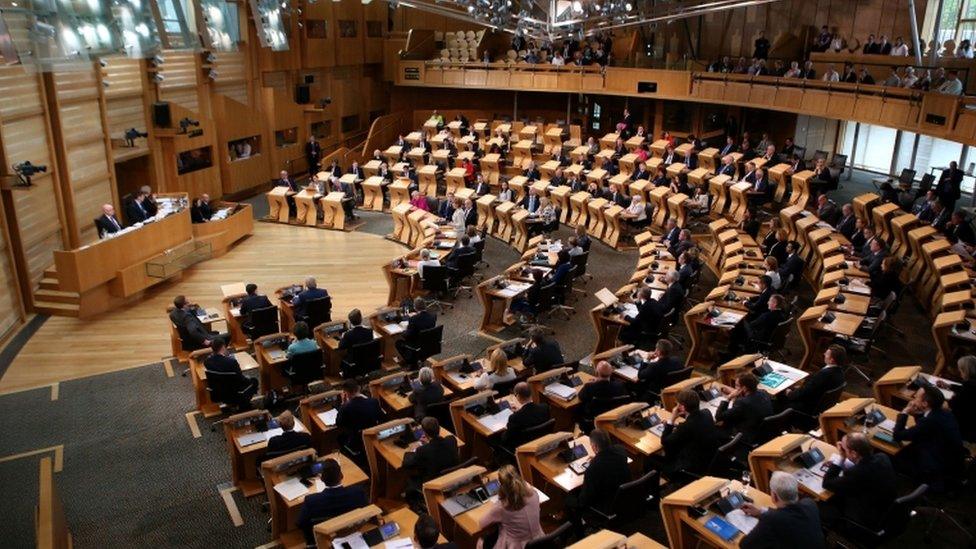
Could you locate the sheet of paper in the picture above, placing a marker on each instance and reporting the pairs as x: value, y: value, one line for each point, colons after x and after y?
x: 399, y: 543
x: 606, y: 297
x: 630, y: 310
x: 496, y: 422
x: 355, y: 541
x: 743, y: 522
x: 887, y: 425
x: 811, y: 481
x: 251, y: 438
x: 394, y: 328
x: 562, y: 391
x: 329, y: 417
x: 291, y: 489
x: 629, y: 372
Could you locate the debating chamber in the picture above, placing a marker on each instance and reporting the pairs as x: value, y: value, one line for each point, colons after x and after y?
x: 475, y: 274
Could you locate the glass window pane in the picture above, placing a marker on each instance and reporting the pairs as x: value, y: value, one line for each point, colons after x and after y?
x: 875, y: 146
x: 935, y: 153
x: 948, y: 19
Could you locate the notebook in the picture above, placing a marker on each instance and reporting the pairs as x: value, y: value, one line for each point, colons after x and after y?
x: 329, y: 417
x: 722, y: 528
x: 561, y: 391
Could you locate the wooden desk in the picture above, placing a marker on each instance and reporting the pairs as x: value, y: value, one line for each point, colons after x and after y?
x: 607, y: 539
x: 704, y: 332
x: 562, y: 410
x: 278, y: 204
x: 841, y: 419
x: 198, y: 376
x: 779, y: 455
x: 540, y: 465
x: 892, y: 388
x: 479, y: 432
x: 270, y: 358
x: 306, y: 212
x: 580, y: 215
x: 685, y: 531
x: 505, y: 228
x: 333, y: 216
x: 284, y: 512
x: 640, y: 443
x: 730, y: 370
x: 817, y: 335
x: 318, y: 414
x: 363, y: 520
x: 495, y: 301
x: 386, y: 389
x: 387, y: 476
x: 221, y: 234
x: 243, y: 459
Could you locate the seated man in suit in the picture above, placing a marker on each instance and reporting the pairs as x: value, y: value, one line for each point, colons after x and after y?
x: 201, y: 211
x: 311, y: 291
x: 149, y: 202
x: 190, y: 326
x: 691, y: 444
x: 827, y: 210
x: 289, y: 440
x: 427, y: 535
x: 221, y: 365
x: 420, y: 321
x: 600, y: 388
x: 759, y: 329
x: 463, y: 248
x: 671, y: 233
x: 531, y: 201
x: 657, y: 365
x: 936, y: 451
x: 445, y: 209
x: 683, y: 244
x: 745, y: 408
x: 607, y: 470
x: 250, y: 303
x: 862, y: 481
x: 847, y: 223
x: 284, y: 180
x: 134, y: 211
x: 356, y: 413
x: 541, y: 352
x: 357, y: 333
x: 331, y: 502
x: 759, y: 304
x: 527, y: 414
x: 435, y: 454
x: 791, y: 522
x: 425, y: 390
x: 871, y: 263
x: 648, y: 320
x: 792, y: 269
x: 806, y: 397
x: 107, y: 223
x: 674, y: 297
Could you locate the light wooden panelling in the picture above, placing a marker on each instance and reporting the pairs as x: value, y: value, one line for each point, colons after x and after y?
x: 26, y: 139
x: 186, y: 98
x: 180, y: 80
x: 124, y: 77
x: 21, y: 94
x: 125, y: 113
x: 40, y: 228
x: 9, y: 308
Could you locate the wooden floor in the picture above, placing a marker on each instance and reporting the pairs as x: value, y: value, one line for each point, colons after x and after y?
x: 348, y: 264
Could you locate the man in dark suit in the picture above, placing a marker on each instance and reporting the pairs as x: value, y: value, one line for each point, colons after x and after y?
x: 531, y: 172
x: 759, y: 304
x: 791, y: 522
x: 190, y: 325
x: 827, y: 210
x: 470, y: 213
x: 871, y: 263
x: 936, y: 451
x: 201, y: 211
x: 357, y: 170
x: 600, y: 388
x: 527, y: 415
x: 948, y: 189
x: 671, y: 233
x: 289, y: 440
x: 331, y: 502
x: 647, y: 320
x: 445, y: 210
x: 220, y: 365
x: 729, y: 147
x: 792, y: 269
x: 418, y: 322
x: 356, y: 413
x: 463, y: 248
x: 618, y: 197
x: 655, y: 369
x: 284, y: 180
x: 862, y: 481
x: 313, y: 153
x: 357, y: 333
x: 541, y: 352
x: 641, y: 173
x: 806, y: 397
x: 683, y: 244
x: 149, y: 202
x: 425, y: 390
x: 426, y: 533
x: 481, y: 187
x: 435, y: 454
x: 758, y: 328
x: 674, y: 296
x: 847, y: 223
x: 531, y: 201
x: 250, y: 303
x: 689, y: 445
x: 311, y: 291
x: 745, y: 408
x: 607, y: 470
x: 107, y: 223
x: 777, y: 248
x: 134, y: 211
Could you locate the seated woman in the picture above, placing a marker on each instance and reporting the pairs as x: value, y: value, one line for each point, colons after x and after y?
x: 679, y: 185
x: 885, y: 280
x: 498, y: 371
x: 547, y: 213
x: 303, y: 342
x: 419, y: 200
x: 698, y: 204
x: 516, y: 512
x: 505, y: 193
x: 636, y: 212
x: 772, y: 271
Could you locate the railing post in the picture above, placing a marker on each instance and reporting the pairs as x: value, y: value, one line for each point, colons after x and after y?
x: 913, y: 22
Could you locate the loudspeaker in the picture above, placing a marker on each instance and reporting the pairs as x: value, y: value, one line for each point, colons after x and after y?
x: 162, y: 118
x: 309, y: 78
x: 302, y: 94
x: 647, y: 87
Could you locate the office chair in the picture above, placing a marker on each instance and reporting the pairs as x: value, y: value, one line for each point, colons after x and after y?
x: 600, y: 405
x: 504, y: 388
x: 442, y: 412
x: 561, y: 294
x: 925, y: 185
x: 725, y: 464
x: 318, y: 311
x: 225, y: 391
x: 464, y: 269
x: 579, y: 262
x: 304, y: 368
x: 630, y: 503
x: 436, y: 281
x: 505, y: 453
x: 862, y: 343
x: 362, y: 359
x: 895, y: 523
x: 670, y: 379
x: 805, y: 421
x: 557, y: 539
x: 427, y: 345
x: 262, y: 322
x: 776, y: 344
x: 479, y: 250
x: 773, y: 426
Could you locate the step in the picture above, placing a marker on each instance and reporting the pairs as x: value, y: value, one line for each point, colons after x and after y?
x: 51, y: 272
x: 56, y: 309
x: 50, y: 283
x: 57, y: 296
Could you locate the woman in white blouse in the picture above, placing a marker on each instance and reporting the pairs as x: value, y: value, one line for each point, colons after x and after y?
x: 772, y: 271
x: 457, y: 218
x: 498, y: 371
x: 636, y: 212
x: 505, y: 193
x: 899, y: 48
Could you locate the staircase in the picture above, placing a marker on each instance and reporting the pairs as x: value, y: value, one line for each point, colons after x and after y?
x: 50, y: 300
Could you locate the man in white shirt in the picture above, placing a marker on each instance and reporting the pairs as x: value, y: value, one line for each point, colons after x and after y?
x: 831, y: 75
x: 900, y: 48
x: 425, y: 260
x: 558, y: 60
x: 952, y: 85
x: 893, y: 80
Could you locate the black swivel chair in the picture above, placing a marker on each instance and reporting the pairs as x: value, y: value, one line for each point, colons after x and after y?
x: 427, y: 345
x: 504, y: 388
x: 436, y: 281
x: 896, y: 521
x: 225, y: 390
x: 442, y: 412
x: 479, y: 251
x: 773, y: 426
x: 579, y: 262
x: 805, y: 421
x: 304, y: 368
x: 318, y: 311
x: 506, y: 453
x: 557, y: 539
x: 463, y: 270
x: 362, y: 359
x: 776, y: 344
x: 631, y: 502
x: 262, y: 322
x: 670, y: 379
x: 599, y: 406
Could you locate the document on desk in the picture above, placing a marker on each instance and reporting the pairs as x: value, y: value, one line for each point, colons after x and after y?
x: 496, y: 422
x: 250, y: 439
x: 887, y: 425
x: 352, y: 541
x: 291, y: 489
x: 628, y: 372
x: 742, y: 522
x: 559, y: 390
x: 399, y: 543
x: 328, y: 417
x: 727, y: 318
x: 812, y: 481
x: 394, y: 328
x: 513, y: 289
x: 630, y: 310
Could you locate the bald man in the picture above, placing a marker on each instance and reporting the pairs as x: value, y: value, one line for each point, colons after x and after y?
x: 107, y: 223
x: 601, y: 388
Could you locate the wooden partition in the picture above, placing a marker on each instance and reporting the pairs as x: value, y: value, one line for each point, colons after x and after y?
x: 239, y: 123
x: 50, y: 524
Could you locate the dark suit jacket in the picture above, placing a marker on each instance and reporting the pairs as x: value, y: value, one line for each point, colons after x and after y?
x: 759, y: 304
x: 105, y: 225
x: 329, y: 503
x: 529, y: 415
x: 445, y: 209
x: 805, y: 397
x: 796, y: 526
x: 471, y: 217
x: 304, y: 297
x: 761, y: 327
x: 936, y: 442
x: 778, y: 250
x: 601, y: 389
x: 606, y: 472
x: 691, y: 445
x: 195, y: 329
x: 290, y: 183
x: 948, y: 188
x: 422, y: 395
x: 544, y: 356
x: 135, y: 213
x: 201, y: 213
x: 792, y: 267
x: 424, y: 320
x: 746, y: 414
x: 530, y: 203
x: 360, y: 413
x: 253, y: 302
x: 673, y: 297
x: 430, y: 459
x: 355, y: 336
x: 671, y: 238
x: 654, y: 373
x: 287, y: 442
x: 865, y: 491
x: 620, y: 199
x: 963, y: 405
x: 225, y: 365
x: 648, y: 319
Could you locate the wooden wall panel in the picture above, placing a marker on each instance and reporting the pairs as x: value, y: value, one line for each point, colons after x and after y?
x: 20, y: 93
x: 124, y: 77
x: 26, y: 139
x: 349, y: 18
x: 125, y: 113
x: 186, y: 98
x: 40, y: 228
x: 9, y: 302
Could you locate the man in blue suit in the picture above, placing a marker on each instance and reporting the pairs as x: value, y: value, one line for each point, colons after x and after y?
x: 331, y: 502
x: 311, y: 291
x: 936, y: 451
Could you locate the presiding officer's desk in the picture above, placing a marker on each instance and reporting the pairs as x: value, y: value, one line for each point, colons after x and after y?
x: 685, y: 531
x: 246, y: 445
x: 385, y: 456
x: 363, y: 520
x: 286, y: 492
x: 563, y: 398
x: 464, y: 527
x: 897, y: 387
x: 849, y: 416
x: 318, y: 413
x: 224, y: 229
x: 393, y: 391
x: 782, y: 378
x: 110, y: 271
x: 781, y: 453
x: 198, y: 375
x: 621, y: 424
x: 477, y: 422
x: 608, y: 539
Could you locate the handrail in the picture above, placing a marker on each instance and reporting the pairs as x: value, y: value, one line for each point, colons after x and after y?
x: 505, y: 65
x: 782, y: 81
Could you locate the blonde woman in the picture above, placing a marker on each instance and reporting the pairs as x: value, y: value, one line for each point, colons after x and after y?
x: 772, y: 271
x: 516, y: 512
x: 498, y: 371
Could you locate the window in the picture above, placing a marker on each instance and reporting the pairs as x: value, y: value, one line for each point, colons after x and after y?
x: 875, y: 146
x: 935, y: 153
x: 317, y: 28
x: 273, y: 24
x: 222, y: 19
x: 286, y: 137
x: 177, y: 22
x: 194, y: 160
x: 347, y: 29
x: 242, y: 149
x: 596, y: 116
x: 322, y: 129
